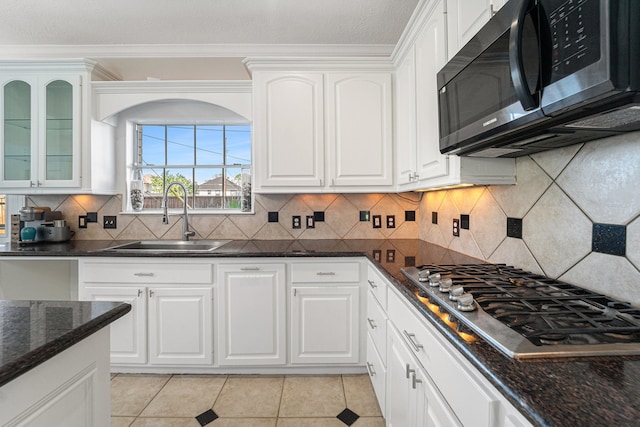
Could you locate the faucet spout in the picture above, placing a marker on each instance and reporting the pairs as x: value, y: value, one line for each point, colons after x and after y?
x: 186, y: 233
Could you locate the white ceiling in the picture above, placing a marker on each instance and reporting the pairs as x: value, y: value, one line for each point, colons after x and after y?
x: 127, y: 36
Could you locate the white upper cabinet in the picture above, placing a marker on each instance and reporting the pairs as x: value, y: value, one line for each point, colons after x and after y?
x: 465, y: 18
x: 46, y: 130
x: 289, y: 131
x: 359, y: 132
x: 323, y: 130
x: 421, y: 53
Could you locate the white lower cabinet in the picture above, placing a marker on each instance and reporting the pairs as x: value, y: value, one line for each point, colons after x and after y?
x: 325, y: 324
x: 251, y: 314
x: 170, y: 322
x: 180, y: 326
x: 412, y: 398
x: 326, y: 321
x: 129, y: 333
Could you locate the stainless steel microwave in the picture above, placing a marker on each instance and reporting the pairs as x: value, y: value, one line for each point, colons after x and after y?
x: 543, y: 74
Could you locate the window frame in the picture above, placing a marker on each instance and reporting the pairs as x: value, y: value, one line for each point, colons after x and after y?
x: 133, y: 158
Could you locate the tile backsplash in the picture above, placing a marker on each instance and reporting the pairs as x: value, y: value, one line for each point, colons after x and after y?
x: 575, y: 206
x: 570, y: 212
x: 337, y: 216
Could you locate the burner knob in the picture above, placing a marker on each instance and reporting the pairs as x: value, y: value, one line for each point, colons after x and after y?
x: 423, y: 275
x: 466, y: 302
x: 455, y: 292
x: 445, y: 285
x: 434, y: 279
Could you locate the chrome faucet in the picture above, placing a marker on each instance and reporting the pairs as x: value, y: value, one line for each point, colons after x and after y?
x: 185, y: 220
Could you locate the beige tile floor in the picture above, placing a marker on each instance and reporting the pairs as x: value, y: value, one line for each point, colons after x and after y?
x: 242, y: 401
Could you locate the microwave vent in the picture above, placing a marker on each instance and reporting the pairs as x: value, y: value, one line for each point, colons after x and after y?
x: 610, y: 120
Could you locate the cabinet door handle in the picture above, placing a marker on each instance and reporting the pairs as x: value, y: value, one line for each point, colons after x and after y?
x: 372, y: 284
x: 370, y: 369
x: 295, y: 292
x: 139, y: 292
x: 412, y: 340
x: 250, y: 269
x: 414, y: 380
x: 143, y: 274
x: 150, y: 293
x: 325, y: 273
x: 372, y: 323
x: 409, y: 371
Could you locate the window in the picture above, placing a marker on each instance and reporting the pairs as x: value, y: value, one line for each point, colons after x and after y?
x: 212, y: 161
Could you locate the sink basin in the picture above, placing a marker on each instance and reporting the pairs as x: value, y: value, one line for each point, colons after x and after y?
x: 169, y: 246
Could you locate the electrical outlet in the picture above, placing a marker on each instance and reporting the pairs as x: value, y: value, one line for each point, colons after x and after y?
x: 109, y: 222
x: 456, y: 227
x: 391, y: 221
x: 310, y: 222
x: 377, y: 221
x: 391, y: 255
x: 82, y: 221
x: 92, y: 216
x: 296, y: 221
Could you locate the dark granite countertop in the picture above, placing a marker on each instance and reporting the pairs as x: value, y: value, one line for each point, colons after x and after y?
x: 593, y: 391
x: 32, y: 332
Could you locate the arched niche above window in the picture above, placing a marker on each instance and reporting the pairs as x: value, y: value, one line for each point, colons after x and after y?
x: 114, y: 97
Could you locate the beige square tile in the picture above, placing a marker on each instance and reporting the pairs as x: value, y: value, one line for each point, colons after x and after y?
x: 360, y: 396
x: 245, y: 422
x: 369, y: 422
x: 250, y: 396
x: 312, y: 396
x: 166, y: 422
x: 185, y: 396
x: 131, y: 393
x: 122, y: 421
x: 310, y: 422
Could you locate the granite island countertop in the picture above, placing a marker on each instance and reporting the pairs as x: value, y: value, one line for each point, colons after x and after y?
x: 32, y: 332
x: 593, y: 391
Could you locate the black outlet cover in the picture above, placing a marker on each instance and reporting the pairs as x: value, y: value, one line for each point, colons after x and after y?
x: 365, y: 215
x: 273, y: 216
x: 409, y: 215
x: 514, y: 227
x: 434, y: 217
x: 609, y: 239
x: 464, y: 222
x: 318, y: 216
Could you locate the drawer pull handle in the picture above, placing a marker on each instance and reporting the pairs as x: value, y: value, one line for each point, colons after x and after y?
x: 327, y: 273
x: 370, y: 369
x: 372, y: 323
x: 372, y: 284
x: 412, y: 340
x: 143, y: 274
x: 409, y: 371
x: 250, y: 269
x: 414, y: 380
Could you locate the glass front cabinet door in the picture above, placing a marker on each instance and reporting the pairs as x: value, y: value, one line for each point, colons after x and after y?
x: 40, y: 132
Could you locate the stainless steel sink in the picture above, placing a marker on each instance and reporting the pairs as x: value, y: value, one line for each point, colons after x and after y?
x: 169, y: 246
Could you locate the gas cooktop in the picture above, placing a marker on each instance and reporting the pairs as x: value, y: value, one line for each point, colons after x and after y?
x: 525, y: 315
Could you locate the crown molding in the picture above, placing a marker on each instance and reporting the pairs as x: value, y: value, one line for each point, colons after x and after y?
x: 192, y: 50
x: 172, y: 86
x: 323, y: 64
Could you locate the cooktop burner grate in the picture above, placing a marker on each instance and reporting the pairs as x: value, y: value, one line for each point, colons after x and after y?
x: 550, y: 317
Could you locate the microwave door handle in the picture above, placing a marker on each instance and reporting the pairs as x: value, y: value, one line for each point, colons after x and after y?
x: 516, y: 64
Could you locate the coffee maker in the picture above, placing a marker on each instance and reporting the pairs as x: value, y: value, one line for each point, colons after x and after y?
x: 41, y: 224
